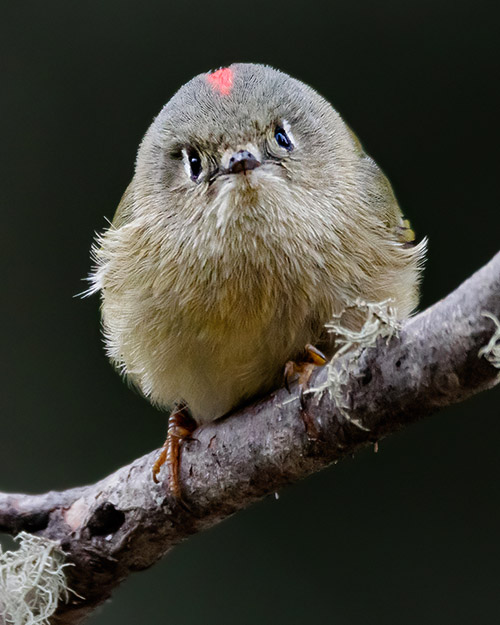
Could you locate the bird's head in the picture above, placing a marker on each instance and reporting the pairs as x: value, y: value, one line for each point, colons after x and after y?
x: 244, y: 140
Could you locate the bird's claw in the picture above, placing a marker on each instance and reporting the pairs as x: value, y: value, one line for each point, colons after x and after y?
x: 302, y: 371
x: 180, y: 427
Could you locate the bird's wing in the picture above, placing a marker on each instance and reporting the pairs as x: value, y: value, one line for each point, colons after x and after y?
x: 124, y: 211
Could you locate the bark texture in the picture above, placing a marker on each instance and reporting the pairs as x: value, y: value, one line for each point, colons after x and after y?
x: 125, y: 522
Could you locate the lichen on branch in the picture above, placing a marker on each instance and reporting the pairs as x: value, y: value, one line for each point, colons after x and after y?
x: 32, y: 581
x: 491, y: 351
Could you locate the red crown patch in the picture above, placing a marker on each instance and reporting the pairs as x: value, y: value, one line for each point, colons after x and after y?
x: 221, y: 80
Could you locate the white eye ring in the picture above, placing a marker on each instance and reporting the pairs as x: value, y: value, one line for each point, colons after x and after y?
x: 185, y: 162
x: 283, y: 136
x: 189, y: 158
x: 288, y: 130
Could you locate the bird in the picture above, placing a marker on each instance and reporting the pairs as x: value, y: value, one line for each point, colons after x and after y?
x: 254, y: 215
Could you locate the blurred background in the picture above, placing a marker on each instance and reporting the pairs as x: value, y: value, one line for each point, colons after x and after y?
x: 405, y: 536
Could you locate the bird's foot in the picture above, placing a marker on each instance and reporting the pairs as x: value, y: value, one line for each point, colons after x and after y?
x: 180, y: 427
x: 301, y: 370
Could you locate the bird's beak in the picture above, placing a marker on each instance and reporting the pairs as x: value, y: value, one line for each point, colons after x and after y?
x: 242, y: 161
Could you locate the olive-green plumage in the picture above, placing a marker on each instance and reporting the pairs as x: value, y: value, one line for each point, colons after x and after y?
x: 212, y: 277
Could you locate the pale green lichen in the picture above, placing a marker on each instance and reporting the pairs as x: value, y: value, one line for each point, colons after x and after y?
x: 491, y: 351
x: 32, y: 581
x: 381, y: 321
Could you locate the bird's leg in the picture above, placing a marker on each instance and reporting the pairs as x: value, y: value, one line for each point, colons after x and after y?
x: 302, y: 370
x: 180, y: 427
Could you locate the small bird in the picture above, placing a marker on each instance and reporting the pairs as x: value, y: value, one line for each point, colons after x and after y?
x: 253, y: 217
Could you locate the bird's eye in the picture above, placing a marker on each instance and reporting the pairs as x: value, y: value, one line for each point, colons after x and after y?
x: 282, y: 139
x: 194, y: 161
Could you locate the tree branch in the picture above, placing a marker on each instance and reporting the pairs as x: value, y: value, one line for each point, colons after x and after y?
x: 125, y: 522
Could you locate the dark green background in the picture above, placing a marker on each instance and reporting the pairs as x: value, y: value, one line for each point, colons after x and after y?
x: 408, y: 536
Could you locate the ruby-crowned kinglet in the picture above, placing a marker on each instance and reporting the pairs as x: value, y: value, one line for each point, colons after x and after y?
x: 253, y: 217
